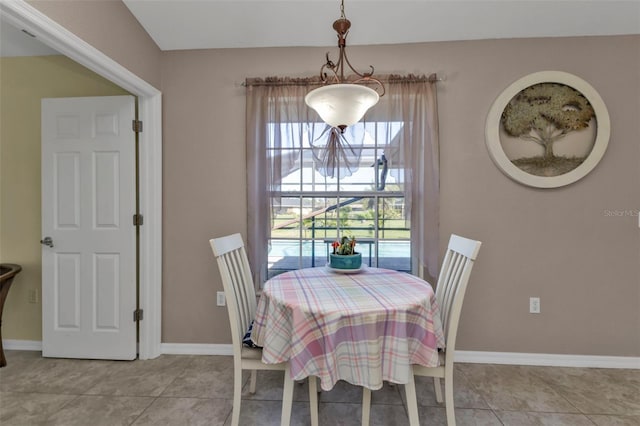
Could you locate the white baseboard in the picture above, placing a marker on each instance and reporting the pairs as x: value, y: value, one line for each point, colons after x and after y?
x: 548, y: 360
x: 22, y: 345
x: 472, y: 357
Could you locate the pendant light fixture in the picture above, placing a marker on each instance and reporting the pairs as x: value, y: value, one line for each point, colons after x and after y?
x: 342, y: 102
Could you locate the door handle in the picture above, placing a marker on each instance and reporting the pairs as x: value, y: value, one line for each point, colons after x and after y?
x: 47, y: 241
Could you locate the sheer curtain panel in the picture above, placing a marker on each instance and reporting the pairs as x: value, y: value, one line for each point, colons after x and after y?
x: 277, y: 123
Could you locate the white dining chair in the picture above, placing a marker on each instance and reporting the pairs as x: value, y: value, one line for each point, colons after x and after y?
x: 452, y: 285
x: 240, y: 295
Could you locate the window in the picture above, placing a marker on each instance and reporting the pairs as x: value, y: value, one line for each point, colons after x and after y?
x: 311, y: 208
x: 384, y: 191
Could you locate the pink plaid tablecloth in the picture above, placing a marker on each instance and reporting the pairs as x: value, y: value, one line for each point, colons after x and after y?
x: 362, y: 328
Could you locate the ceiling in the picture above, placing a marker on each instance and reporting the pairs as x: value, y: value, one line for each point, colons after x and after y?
x: 205, y: 24
x: 15, y: 42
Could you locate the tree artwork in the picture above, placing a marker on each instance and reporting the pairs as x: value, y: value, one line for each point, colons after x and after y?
x: 544, y: 114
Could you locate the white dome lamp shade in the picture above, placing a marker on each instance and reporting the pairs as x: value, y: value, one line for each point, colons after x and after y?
x: 342, y: 105
x: 342, y: 102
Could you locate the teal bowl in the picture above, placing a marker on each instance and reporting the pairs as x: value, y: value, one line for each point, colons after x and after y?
x: 341, y: 261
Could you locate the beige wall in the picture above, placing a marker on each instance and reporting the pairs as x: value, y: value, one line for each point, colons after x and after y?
x: 557, y: 244
x: 23, y: 83
x: 109, y: 26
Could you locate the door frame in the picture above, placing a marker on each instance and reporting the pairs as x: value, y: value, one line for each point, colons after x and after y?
x: 24, y: 16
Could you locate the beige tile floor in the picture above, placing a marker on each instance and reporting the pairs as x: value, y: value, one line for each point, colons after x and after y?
x: 196, y: 390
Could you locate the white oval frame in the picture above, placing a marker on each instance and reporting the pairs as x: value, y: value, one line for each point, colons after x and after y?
x: 492, y: 130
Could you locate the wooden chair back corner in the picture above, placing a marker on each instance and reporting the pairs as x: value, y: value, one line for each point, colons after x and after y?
x: 452, y: 283
x: 238, y: 284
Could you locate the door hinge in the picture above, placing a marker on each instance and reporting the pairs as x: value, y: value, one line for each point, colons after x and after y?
x: 137, y: 315
x: 137, y: 220
x: 136, y: 125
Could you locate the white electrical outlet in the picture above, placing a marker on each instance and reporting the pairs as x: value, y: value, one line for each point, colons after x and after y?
x: 221, y: 300
x: 534, y: 305
x: 32, y: 295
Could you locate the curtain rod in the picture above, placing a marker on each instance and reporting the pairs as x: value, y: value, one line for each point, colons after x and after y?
x: 311, y: 81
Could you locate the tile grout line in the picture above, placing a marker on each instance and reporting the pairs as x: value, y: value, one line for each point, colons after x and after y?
x: 551, y: 386
x: 473, y: 386
x: 63, y: 406
x: 143, y: 411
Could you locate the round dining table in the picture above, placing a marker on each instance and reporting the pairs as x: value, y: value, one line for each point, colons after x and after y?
x: 364, y: 327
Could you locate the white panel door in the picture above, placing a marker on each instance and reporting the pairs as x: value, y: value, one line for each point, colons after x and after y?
x: 88, y: 202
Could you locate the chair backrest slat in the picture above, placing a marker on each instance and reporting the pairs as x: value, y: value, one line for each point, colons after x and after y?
x: 237, y: 282
x: 452, y: 285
